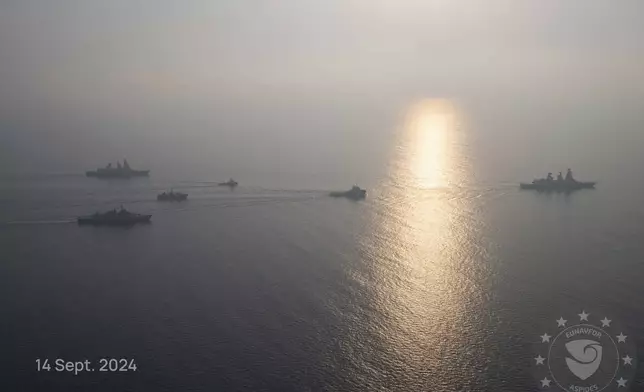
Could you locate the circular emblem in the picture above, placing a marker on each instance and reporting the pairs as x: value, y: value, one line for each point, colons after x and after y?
x: 587, y: 352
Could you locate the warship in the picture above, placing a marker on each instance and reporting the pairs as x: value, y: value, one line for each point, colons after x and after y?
x: 172, y: 196
x: 120, y: 171
x: 231, y: 183
x: 121, y: 217
x: 561, y: 184
x: 355, y: 193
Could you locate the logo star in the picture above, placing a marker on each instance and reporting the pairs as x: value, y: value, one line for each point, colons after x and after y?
x: 545, y: 383
x: 561, y: 322
x: 606, y: 322
x: 621, y: 338
x: 627, y: 360
x: 545, y: 338
x: 540, y: 360
x: 621, y: 382
x: 583, y: 316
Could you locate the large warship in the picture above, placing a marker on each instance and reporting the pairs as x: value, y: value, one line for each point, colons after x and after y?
x: 121, y: 217
x: 124, y: 171
x: 561, y: 184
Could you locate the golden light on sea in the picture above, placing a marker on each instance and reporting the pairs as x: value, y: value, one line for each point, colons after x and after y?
x: 427, y: 143
x: 420, y: 238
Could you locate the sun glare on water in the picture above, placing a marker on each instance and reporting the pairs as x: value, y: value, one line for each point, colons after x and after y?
x: 430, y: 132
x: 418, y: 244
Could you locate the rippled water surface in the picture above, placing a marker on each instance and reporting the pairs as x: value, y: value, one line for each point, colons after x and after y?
x: 439, y: 281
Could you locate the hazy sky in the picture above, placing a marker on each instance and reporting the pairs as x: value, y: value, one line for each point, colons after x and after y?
x: 83, y: 81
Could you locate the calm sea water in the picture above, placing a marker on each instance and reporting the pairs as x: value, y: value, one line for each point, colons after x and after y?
x: 439, y: 281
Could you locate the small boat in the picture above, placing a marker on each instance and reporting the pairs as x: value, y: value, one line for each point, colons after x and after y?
x: 172, y: 196
x: 124, y: 171
x: 355, y: 193
x: 231, y: 183
x: 114, y: 217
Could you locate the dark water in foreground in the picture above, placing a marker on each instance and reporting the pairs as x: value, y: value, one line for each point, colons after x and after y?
x: 437, y: 282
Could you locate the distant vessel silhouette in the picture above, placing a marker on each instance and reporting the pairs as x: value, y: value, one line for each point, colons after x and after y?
x: 172, y: 196
x: 561, y: 184
x: 121, y: 217
x: 231, y: 183
x: 119, y: 171
x: 355, y: 193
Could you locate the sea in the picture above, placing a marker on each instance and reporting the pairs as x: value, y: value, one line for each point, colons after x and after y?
x: 443, y: 279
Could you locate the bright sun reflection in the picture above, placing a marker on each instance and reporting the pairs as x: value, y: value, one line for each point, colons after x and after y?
x: 430, y: 131
x: 420, y: 238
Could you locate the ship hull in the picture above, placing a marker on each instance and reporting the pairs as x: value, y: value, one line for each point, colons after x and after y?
x: 558, y: 187
x: 117, y: 173
x: 172, y: 198
x: 350, y: 195
x: 129, y: 221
